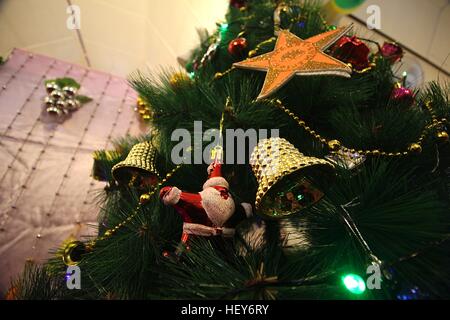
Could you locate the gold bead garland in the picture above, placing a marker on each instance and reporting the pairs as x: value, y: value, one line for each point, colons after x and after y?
x: 254, y: 52
x: 442, y: 136
x: 144, y: 198
x: 335, y: 145
x: 251, y: 54
x: 365, y: 70
x: 220, y: 75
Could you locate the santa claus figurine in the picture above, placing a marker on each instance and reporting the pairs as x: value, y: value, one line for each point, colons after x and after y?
x: 210, y: 212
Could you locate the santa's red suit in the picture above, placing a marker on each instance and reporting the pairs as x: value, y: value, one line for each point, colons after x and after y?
x: 210, y: 212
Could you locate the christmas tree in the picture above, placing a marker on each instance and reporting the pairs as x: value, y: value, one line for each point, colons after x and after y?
x: 351, y: 201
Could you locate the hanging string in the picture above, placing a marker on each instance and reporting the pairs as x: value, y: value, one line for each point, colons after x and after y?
x: 355, y: 231
x: 80, y: 37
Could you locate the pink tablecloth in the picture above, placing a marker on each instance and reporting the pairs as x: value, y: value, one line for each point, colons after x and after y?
x: 46, y: 191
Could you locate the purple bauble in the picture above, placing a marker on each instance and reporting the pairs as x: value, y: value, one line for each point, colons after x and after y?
x: 403, y: 95
x: 238, y: 3
x: 392, y: 51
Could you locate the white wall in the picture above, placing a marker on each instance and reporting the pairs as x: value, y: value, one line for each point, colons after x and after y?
x: 423, y: 25
x: 120, y: 35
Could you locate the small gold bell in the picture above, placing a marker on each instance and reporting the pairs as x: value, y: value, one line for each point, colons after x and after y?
x: 51, y: 86
x: 49, y: 102
x: 334, y: 145
x: 72, y: 104
x: 54, y: 111
x: 442, y: 136
x: 415, y: 148
x: 70, y: 92
x: 61, y: 104
x: 57, y: 95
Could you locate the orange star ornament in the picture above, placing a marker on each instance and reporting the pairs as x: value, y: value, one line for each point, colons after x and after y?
x: 294, y: 56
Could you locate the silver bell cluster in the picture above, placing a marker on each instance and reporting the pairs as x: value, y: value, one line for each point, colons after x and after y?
x: 60, y: 101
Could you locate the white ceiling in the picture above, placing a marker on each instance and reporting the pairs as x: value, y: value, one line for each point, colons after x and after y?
x: 120, y: 35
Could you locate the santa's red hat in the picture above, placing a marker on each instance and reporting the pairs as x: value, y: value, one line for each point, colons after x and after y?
x: 216, y: 170
x: 215, y: 177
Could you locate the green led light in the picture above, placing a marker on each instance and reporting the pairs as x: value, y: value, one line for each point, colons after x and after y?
x: 354, y: 283
x: 349, y: 4
x: 331, y: 27
x: 223, y: 27
x: 192, y: 75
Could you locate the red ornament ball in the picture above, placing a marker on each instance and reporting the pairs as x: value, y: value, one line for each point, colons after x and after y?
x: 392, y: 52
x: 352, y: 50
x: 196, y: 65
x: 238, y: 3
x: 238, y: 47
x: 403, y: 95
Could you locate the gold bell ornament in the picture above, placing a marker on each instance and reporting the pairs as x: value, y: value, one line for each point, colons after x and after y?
x: 73, y: 252
x: 286, y: 178
x: 139, y: 166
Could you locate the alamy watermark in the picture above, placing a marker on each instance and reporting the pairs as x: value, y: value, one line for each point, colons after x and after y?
x: 73, y: 278
x: 73, y: 22
x: 373, y: 20
x: 238, y: 144
x: 373, y: 281
x: 374, y: 17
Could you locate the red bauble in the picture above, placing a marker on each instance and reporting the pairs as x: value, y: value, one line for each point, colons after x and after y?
x: 392, y: 52
x: 403, y: 95
x: 238, y: 3
x: 352, y: 50
x: 238, y: 47
x: 196, y: 65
